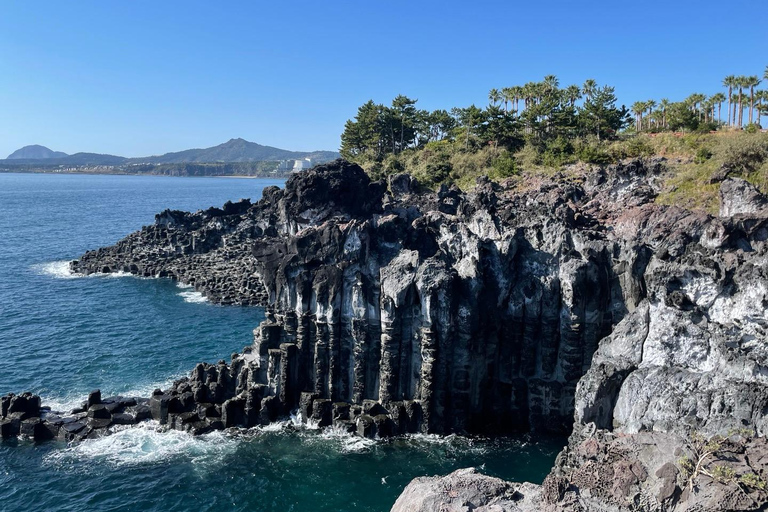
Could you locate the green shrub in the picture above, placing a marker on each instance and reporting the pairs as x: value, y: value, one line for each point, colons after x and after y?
x: 637, y: 146
x: 702, y: 155
x: 723, y: 473
x: 745, y: 154
x: 557, y: 152
x: 528, y: 157
x: 503, y: 167
x: 593, y: 151
x: 752, y: 480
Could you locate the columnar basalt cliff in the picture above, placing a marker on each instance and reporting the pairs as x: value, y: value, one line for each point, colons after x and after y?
x: 393, y: 311
x: 572, y: 304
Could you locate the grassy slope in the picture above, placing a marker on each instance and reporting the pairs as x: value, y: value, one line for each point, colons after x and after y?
x: 692, y: 159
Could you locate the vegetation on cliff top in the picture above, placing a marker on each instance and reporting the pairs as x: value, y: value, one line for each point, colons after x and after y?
x: 541, y: 127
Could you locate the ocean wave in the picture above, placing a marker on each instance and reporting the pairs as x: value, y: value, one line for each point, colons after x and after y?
x: 63, y: 404
x: 73, y: 400
x: 119, y: 273
x: 193, y: 297
x: 146, y: 443
x: 61, y: 270
x: 56, y: 269
x: 311, y: 433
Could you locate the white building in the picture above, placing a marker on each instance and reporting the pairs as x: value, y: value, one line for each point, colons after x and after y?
x: 300, y: 165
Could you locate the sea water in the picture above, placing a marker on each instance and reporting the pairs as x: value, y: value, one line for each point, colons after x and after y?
x: 62, y: 335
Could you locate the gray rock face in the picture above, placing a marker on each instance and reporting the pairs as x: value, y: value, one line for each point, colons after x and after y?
x: 739, y: 197
x: 576, y: 303
x: 454, y: 313
x: 466, y: 489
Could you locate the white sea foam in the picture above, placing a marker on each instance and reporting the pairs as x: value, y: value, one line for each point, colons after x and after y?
x: 183, y: 286
x: 347, y: 443
x: 56, y: 269
x: 147, y: 443
x: 119, y: 273
x: 146, y: 390
x: 61, y: 270
x: 310, y: 432
x: 63, y: 404
x: 193, y: 296
x: 74, y: 400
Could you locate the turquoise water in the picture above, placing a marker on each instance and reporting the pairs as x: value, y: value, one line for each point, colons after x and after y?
x: 61, y: 336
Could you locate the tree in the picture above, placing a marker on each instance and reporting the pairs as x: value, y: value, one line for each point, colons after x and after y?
x: 664, y: 105
x: 599, y: 114
x: 751, y: 82
x: 508, y: 95
x: 650, y: 105
x: 470, y: 119
x: 741, y: 82
x: 730, y: 83
x: 499, y: 130
x: 718, y: 99
x: 402, y: 122
x: 441, y: 124
x: 589, y: 88
x: 638, y: 108
x: 572, y: 94
x: 518, y: 92
x: 762, y: 104
x: 494, y: 96
x: 681, y: 117
x: 550, y: 84
x: 364, y: 134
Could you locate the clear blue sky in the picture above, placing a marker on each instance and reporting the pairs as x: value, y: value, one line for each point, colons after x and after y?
x: 135, y: 78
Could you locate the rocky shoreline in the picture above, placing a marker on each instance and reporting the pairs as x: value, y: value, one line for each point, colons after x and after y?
x: 574, y: 304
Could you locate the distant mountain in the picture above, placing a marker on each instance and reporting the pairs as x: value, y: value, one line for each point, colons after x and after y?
x: 236, y: 150
x: 35, y: 152
x: 233, y: 151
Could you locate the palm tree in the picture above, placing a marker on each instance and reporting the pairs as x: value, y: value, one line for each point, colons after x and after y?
x: 741, y: 82
x: 762, y: 98
x: 751, y: 82
x: 729, y: 82
x: 657, y: 118
x: 695, y: 100
x: 518, y: 93
x: 572, y: 94
x: 551, y: 83
x: 494, y: 96
x: 664, y: 105
x: 508, y: 94
x: 638, y: 108
x: 708, y: 106
x: 649, y: 106
x: 589, y: 88
x: 718, y: 99
x: 529, y: 93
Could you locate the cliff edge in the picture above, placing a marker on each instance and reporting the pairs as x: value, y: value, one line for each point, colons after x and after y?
x: 575, y: 305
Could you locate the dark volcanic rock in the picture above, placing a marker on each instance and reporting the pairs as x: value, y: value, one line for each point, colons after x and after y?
x: 576, y: 303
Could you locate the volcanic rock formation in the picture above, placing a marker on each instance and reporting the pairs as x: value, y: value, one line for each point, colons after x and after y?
x: 393, y: 311
x: 574, y: 304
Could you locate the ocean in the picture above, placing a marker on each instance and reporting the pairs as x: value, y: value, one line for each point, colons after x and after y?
x: 63, y: 335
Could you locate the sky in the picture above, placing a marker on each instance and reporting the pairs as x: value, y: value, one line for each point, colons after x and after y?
x: 148, y: 77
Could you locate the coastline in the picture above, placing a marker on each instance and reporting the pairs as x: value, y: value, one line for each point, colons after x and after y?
x: 581, y: 363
